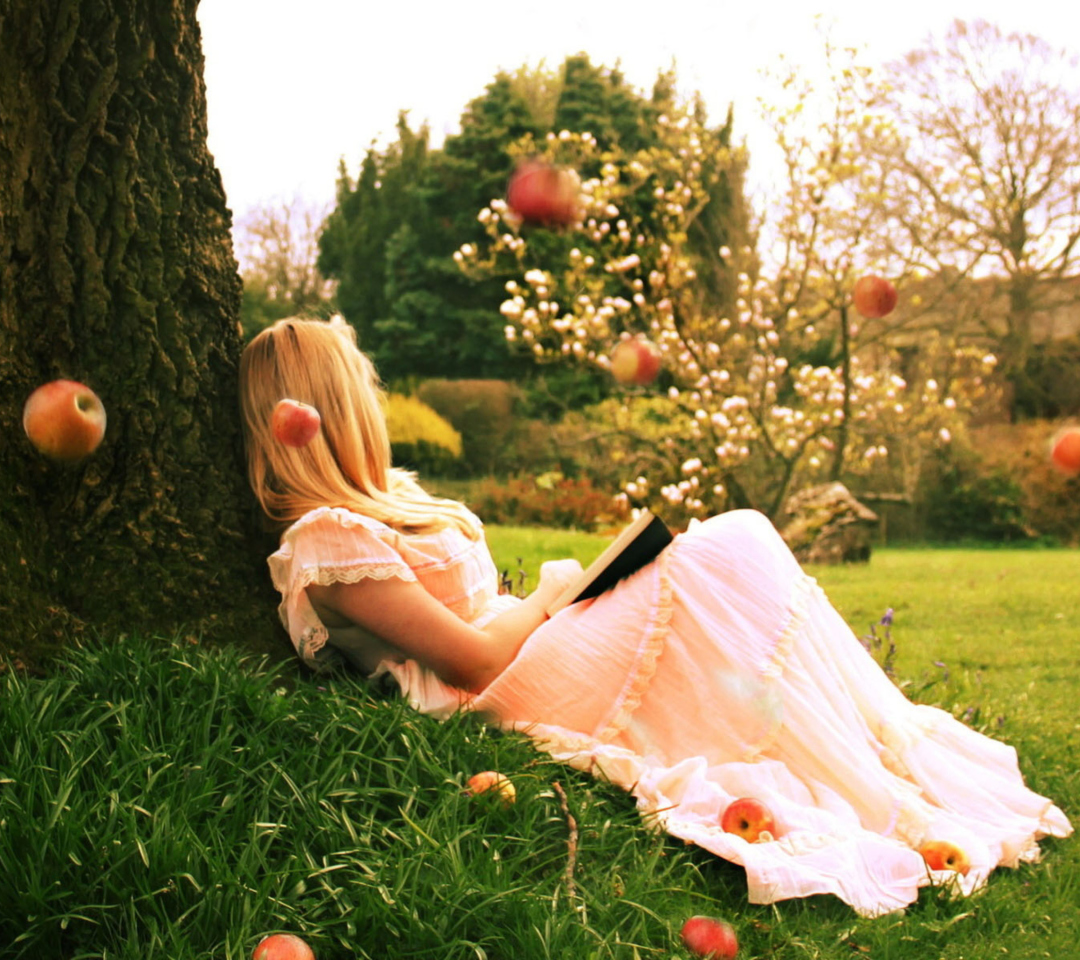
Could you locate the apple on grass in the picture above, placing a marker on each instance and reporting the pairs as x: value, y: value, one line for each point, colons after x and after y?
x: 1065, y: 451
x: 542, y: 193
x: 942, y: 855
x: 874, y: 297
x: 64, y: 420
x: 709, y: 938
x: 491, y: 781
x: 750, y: 819
x: 282, y: 946
x: 294, y: 423
x: 635, y: 361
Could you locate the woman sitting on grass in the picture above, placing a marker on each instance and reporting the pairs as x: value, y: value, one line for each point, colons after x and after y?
x: 718, y: 671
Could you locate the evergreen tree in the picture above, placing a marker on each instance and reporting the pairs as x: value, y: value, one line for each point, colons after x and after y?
x: 410, y: 339
x: 352, y: 247
x: 598, y: 101
x: 417, y: 313
x: 354, y: 244
x: 725, y: 221
x: 390, y: 240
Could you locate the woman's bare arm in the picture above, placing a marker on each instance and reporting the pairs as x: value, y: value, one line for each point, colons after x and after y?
x: 404, y: 615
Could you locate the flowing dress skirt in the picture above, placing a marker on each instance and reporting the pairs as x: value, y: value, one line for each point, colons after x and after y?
x: 720, y: 671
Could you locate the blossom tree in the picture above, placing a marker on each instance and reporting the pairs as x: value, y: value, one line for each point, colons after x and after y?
x: 985, y: 179
x: 781, y: 387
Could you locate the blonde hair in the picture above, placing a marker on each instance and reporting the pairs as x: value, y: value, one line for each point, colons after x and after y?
x: 347, y: 464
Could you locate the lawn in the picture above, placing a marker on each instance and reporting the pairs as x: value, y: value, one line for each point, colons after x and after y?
x: 160, y: 799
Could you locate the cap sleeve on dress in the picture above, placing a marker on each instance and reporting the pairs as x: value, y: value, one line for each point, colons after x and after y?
x: 329, y: 545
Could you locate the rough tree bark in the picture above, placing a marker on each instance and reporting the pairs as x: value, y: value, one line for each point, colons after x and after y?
x: 116, y: 269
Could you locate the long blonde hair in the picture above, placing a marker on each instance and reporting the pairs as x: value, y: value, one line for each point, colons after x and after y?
x: 347, y: 464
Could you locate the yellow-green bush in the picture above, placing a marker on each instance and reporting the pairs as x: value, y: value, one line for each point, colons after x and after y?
x: 420, y: 439
x: 485, y: 413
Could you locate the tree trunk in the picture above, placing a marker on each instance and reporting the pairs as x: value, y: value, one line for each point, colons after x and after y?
x: 116, y: 269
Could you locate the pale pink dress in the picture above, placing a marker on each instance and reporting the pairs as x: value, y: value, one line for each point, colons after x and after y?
x: 719, y: 671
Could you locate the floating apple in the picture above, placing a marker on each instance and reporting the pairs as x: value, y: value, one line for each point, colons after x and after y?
x: 282, y: 946
x: 874, y: 297
x: 749, y: 819
x: 1065, y: 451
x: 942, y: 855
x: 490, y: 781
x: 64, y: 419
x: 635, y: 361
x: 543, y: 193
x: 709, y: 938
x: 294, y: 423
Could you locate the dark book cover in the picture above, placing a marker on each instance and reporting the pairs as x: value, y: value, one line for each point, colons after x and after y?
x: 636, y: 546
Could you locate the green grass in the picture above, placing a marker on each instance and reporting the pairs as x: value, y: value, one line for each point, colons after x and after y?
x: 159, y: 799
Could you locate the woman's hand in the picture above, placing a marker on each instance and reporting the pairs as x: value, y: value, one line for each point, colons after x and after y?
x: 556, y: 576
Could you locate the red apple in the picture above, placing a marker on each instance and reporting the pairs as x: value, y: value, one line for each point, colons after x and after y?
x: 942, y: 855
x: 1065, y: 451
x: 542, y: 193
x: 635, y: 361
x: 709, y: 938
x: 294, y: 423
x: 749, y: 819
x: 874, y: 297
x: 491, y: 781
x: 65, y: 420
x: 282, y: 946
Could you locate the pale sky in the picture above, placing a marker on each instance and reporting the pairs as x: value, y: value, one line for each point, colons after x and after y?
x: 294, y: 87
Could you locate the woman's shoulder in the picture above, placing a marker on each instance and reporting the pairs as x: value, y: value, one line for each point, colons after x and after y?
x: 327, y: 516
x: 323, y: 526
x: 332, y: 520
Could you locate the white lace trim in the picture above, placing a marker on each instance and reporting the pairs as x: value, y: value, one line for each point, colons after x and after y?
x: 313, y: 633
x: 773, y: 669
x: 352, y: 571
x: 644, y: 667
x: 310, y: 642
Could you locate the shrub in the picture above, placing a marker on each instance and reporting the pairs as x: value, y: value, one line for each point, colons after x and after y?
x: 615, y: 442
x: 1047, y: 386
x: 1051, y: 501
x: 483, y: 412
x: 968, y: 504
x: 549, y: 500
x: 420, y: 439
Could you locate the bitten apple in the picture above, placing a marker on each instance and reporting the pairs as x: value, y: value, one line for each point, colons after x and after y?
x: 874, y: 297
x: 1065, y: 451
x: 748, y: 818
x: 64, y: 419
x: 635, y: 361
x: 294, y: 423
x: 490, y: 781
x: 282, y: 946
x: 709, y: 938
x: 942, y: 855
x: 542, y: 193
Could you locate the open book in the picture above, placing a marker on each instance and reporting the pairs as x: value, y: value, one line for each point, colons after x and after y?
x: 636, y: 546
